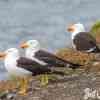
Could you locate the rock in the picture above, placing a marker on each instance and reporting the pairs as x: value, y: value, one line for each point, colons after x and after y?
x: 3, y: 95
x: 11, y: 96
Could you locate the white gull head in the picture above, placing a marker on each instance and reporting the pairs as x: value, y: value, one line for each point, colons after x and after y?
x: 76, y: 29
x: 31, y: 47
x: 12, y: 52
x: 10, y: 56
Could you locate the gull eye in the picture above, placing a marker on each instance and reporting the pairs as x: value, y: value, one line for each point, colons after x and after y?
x: 9, y: 50
x: 31, y: 43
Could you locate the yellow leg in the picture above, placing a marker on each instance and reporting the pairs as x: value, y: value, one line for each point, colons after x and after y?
x: 23, y: 86
x: 44, y: 79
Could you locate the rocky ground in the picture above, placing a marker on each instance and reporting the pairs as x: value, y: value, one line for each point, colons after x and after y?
x: 71, y: 86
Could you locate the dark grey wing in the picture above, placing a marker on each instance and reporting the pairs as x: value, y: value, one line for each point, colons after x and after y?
x: 84, y: 41
x: 53, y: 60
x: 32, y: 66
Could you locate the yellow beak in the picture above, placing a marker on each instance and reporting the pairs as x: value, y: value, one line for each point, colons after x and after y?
x: 2, y: 55
x: 24, y: 45
x: 71, y: 28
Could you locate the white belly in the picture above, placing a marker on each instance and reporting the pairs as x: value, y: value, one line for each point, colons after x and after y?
x: 19, y: 72
x: 73, y: 45
x: 16, y: 71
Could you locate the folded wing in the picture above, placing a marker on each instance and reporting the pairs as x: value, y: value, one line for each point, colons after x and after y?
x: 84, y: 41
x: 32, y: 66
x: 53, y: 60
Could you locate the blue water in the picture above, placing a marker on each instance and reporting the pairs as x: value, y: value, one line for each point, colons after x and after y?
x: 44, y: 20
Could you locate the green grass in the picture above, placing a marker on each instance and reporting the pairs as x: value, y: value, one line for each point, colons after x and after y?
x: 95, y: 29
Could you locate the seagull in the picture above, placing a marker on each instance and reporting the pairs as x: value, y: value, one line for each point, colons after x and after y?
x: 34, y: 52
x: 22, y: 67
x: 81, y: 40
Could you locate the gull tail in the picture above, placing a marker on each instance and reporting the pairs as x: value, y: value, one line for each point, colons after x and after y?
x: 63, y: 63
x: 96, y: 50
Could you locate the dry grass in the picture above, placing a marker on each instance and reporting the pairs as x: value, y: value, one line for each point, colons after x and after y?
x: 75, y: 56
x: 7, y: 85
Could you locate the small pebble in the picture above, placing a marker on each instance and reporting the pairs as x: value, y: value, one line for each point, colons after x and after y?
x: 96, y: 63
x: 11, y: 96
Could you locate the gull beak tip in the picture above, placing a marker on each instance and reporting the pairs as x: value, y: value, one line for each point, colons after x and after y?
x: 71, y: 28
x: 2, y: 55
x: 24, y: 45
